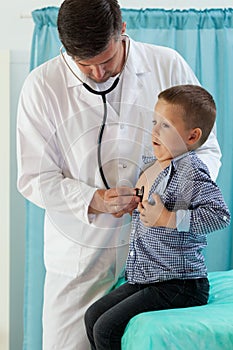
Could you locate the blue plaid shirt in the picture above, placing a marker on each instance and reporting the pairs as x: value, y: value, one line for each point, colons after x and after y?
x: 160, y: 253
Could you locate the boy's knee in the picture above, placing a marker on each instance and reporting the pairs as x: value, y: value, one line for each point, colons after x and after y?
x: 101, y: 333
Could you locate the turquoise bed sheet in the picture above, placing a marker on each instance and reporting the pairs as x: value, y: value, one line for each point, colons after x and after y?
x: 208, y: 327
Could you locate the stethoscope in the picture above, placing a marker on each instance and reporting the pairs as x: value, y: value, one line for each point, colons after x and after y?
x: 103, y: 95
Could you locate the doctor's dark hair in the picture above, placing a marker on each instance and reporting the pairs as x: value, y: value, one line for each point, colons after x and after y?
x: 86, y: 26
x: 199, y: 109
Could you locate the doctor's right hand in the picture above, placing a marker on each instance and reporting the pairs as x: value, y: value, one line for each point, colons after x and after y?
x: 115, y: 201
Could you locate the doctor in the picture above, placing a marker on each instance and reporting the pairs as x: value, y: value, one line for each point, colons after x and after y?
x: 84, y: 180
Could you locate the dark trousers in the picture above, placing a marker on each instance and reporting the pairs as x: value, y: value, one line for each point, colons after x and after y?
x: 107, y: 318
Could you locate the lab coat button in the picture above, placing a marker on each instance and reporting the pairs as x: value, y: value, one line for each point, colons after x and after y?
x: 124, y: 165
x: 122, y: 126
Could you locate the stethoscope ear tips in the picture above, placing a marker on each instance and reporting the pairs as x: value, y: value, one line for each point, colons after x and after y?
x: 140, y: 192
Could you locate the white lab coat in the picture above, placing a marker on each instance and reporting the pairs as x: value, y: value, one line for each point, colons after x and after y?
x: 58, y: 124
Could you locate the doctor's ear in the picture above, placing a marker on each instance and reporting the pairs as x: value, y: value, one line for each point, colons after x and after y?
x: 194, y: 136
x: 123, y: 29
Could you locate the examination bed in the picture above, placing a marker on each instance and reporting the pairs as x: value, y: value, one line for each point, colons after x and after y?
x: 208, y: 327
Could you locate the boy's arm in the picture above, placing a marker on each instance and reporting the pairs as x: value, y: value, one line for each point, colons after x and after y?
x: 206, y: 212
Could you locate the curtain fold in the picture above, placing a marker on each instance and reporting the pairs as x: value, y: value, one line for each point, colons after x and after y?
x: 45, y: 40
x: 205, y: 39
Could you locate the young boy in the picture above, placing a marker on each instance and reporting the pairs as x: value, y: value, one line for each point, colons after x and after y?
x: 181, y: 204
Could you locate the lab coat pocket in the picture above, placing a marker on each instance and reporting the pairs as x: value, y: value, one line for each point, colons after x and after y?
x: 97, y: 264
x: 61, y: 254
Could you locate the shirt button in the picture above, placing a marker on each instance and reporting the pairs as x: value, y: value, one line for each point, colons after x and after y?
x: 131, y: 253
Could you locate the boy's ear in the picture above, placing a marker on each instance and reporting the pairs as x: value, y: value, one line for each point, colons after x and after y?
x: 123, y: 29
x: 194, y: 136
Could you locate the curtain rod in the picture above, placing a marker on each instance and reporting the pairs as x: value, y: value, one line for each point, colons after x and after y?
x: 25, y: 16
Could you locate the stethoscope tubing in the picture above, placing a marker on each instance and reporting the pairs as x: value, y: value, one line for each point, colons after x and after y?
x: 100, y: 136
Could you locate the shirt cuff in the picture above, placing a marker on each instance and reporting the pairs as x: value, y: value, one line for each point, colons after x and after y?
x: 183, y: 220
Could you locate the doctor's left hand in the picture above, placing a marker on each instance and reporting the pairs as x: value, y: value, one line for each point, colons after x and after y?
x: 116, y: 201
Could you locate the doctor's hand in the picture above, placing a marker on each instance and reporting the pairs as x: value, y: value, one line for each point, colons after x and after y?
x: 115, y: 201
x: 156, y: 214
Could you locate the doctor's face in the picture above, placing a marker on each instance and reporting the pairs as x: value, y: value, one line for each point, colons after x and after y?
x: 105, y: 65
x: 170, y: 135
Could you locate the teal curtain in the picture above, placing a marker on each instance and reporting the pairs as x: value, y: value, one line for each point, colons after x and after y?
x: 205, y: 39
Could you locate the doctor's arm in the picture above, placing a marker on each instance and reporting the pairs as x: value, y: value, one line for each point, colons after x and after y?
x: 43, y: 177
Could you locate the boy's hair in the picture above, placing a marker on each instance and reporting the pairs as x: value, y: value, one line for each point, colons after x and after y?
x: 198, y: 106
x: 86, y: 26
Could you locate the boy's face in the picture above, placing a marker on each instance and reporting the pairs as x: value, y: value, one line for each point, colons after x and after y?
x: 169, y: 134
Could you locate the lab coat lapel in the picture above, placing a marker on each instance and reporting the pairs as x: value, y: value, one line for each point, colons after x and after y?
x: 90, y: 99
x: 85, y: 99
x: 96, y: 102
x: 132, y: 87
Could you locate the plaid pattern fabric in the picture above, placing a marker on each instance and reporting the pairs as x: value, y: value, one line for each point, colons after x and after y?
x: 160, y: 253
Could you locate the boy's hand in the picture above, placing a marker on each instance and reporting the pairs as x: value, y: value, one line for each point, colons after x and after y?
x: 156, y: 214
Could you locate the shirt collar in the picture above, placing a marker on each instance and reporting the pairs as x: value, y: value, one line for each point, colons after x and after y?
x: 174, y: 162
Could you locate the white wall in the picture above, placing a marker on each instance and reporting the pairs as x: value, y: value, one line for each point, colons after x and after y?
x: 5, y: 200
x: 16, y: 27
